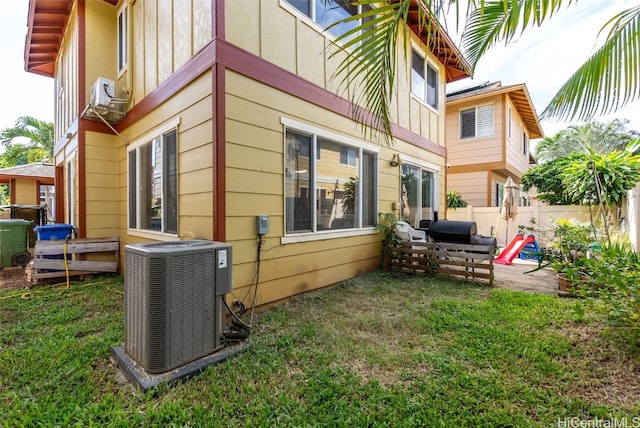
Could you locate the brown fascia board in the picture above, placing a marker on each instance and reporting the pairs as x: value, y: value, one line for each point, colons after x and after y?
x: 436, y: 38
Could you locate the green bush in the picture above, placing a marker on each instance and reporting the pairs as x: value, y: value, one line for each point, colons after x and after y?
x: 615, y: 283
x: 454, y: 200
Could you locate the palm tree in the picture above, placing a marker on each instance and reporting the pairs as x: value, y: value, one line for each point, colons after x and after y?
x: 39, y: 141
x: 601, y: 138
x: 594, y: 89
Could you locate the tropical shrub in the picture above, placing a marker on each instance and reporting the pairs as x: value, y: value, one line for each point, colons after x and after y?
x: 615, y: 283
x: 454, y: 200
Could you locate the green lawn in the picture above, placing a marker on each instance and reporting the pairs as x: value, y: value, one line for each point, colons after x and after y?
x: 379, y: 350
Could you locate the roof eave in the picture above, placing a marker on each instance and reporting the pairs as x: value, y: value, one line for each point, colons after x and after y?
x: 437, y: 39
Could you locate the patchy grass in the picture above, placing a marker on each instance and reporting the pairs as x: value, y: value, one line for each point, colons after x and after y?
x: 378, y: 350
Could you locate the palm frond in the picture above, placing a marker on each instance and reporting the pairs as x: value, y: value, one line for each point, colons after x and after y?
x: 493, y: 22
x: 609, y: 79
x: 369, y: 67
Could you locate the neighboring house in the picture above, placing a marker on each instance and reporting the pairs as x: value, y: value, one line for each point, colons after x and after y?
x: 225, y: 110
x: 489, y: 128
x: 29, y: 184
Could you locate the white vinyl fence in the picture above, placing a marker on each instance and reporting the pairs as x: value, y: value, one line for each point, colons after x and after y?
x: 490, y: 221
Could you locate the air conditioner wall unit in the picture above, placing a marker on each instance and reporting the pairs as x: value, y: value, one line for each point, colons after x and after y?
x: 174, y: 313
x: 102, y: 93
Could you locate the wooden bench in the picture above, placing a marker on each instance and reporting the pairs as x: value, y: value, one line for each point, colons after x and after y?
x: 49, y: 257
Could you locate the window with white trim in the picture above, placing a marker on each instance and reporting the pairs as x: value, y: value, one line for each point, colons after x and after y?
x: 424, y: 79
x: 327, y: 12
x: 418, y: 193
x: 123, y: 38
x: 476, y: 122
x: 336, y: 192
x: 509, y: 118
x: 525, y: 144
x: 153, y: 184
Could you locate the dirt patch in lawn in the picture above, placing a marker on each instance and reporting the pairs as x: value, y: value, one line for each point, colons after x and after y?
x: 606, y: 374
x: 524, y: 275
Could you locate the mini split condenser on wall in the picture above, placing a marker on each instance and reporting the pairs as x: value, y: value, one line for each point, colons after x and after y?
x: 174, y: 313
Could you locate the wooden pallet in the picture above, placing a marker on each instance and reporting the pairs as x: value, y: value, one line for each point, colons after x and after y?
x: 49, y: 259
x: 471, y: 262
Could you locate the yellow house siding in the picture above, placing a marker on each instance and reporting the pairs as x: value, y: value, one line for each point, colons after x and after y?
x: 182, y: 20
x: 66, y: 79
x: 100, y: 44
x: 101, y: 184
x: 310, y: 54
x: 242, y: 21
x: 192, y: 108
x: 25, y: 192
x: 255, y: 185
x: 302, y: 47
x: 279, y: 40
x: 165, y: 35
x: 165, y: 42
x: 201, y: 29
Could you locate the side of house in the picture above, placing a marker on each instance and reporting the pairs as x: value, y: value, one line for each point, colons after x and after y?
x: 489, y: 128
x: 222, y: 111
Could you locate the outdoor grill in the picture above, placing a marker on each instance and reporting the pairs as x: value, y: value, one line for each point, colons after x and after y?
x: 454, y: 231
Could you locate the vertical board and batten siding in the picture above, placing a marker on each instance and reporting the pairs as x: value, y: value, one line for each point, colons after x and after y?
x: 164, y: 36
x: 100, y: 44
x: 300, y: 46
x: 66, y: 78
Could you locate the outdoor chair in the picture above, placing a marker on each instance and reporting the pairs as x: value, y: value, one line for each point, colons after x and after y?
x: 409, y: 234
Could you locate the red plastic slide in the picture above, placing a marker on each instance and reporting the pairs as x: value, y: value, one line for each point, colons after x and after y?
x: 512, y: 249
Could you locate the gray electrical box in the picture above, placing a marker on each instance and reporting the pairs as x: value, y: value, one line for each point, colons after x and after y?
x: 263, y: 224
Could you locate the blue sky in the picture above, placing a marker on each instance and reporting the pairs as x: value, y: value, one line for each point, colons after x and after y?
x: 543, y: 58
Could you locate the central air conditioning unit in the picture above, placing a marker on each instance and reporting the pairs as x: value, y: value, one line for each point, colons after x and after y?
x: 174, y: 312
x: 102, y: 93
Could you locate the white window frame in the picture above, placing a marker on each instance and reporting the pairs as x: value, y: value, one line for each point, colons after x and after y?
x: 427, y: 65
x: 427, y: 166
x: 134, y: 146
x: 319, y: 133
x: 311, y: 19
x: 122, y: 41
x: 478, y: 125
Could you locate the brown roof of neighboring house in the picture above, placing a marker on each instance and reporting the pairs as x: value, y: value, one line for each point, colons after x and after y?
x: 38, y: 171
x: 519, y: 96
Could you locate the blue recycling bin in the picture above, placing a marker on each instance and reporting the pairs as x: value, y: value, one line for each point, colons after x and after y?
x: 53, y: 232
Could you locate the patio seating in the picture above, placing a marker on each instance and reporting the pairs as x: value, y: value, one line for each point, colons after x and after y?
x: 409, y: 234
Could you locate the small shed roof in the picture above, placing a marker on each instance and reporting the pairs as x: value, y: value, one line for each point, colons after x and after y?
x: 44, y: 172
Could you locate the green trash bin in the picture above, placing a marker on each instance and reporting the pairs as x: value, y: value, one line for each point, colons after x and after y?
x: 14, y: 249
